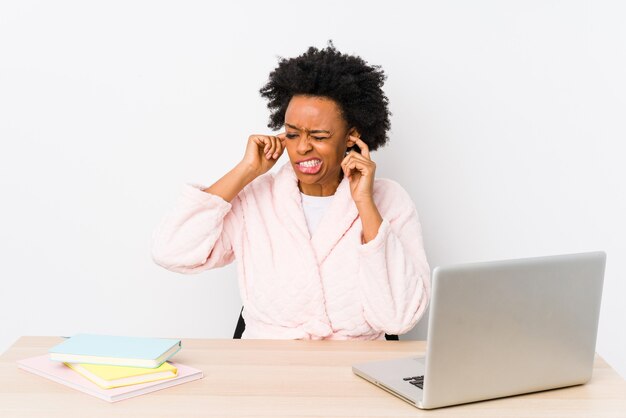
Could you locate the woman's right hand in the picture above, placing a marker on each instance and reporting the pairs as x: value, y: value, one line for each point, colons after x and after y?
x: 262, y: 152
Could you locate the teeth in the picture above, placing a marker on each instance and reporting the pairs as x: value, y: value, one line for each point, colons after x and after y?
x: 310, y: 163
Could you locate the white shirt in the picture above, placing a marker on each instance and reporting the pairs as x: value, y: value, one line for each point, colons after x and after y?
x: 314, y: 208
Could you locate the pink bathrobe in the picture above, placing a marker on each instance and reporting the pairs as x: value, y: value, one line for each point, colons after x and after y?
x: 294, y: 286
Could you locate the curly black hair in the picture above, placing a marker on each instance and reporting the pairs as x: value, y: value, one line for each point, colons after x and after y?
x: 348, y: 80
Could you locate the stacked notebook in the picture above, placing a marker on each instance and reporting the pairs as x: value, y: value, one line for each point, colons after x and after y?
x: 113, y: 368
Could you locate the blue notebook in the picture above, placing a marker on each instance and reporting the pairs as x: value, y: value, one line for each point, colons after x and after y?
x: 116, y: 351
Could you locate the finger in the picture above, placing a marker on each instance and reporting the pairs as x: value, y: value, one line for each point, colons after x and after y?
x: 261, y: 142
x: 266, y: 144
x: 345, y: 160
x: 282, y: 136
x: 272, y: 148
x: 257, y: 139
x: 344, y: 165
x: 358, y: 156
x: 353, y: 155
x: 349, y: 165
x: 346, y: 172
x: 365, y: 150
x: 279, y: 149
x: 352, y: 168
x: 358, y: 163
x: 355, y: 165
x: 349, y: 156
x: 348, y: 161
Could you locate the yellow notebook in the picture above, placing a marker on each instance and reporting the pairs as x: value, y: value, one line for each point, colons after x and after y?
x: 108, y: 377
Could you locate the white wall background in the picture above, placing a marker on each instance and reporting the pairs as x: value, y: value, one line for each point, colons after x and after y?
x: 508, y: 132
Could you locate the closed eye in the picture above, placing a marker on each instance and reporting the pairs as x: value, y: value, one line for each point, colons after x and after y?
x: 319, y: 138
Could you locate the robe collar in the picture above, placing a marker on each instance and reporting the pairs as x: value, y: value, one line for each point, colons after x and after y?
x: 338, y: 218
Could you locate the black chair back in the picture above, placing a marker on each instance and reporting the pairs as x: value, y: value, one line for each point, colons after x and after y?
x: 241, y: 326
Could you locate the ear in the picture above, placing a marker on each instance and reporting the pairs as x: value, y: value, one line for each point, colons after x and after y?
x: 354, y: 132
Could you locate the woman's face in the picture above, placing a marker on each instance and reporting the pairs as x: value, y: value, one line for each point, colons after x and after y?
x: 317, y: 137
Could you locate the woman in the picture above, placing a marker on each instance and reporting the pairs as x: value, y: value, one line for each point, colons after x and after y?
x: 324, y: 250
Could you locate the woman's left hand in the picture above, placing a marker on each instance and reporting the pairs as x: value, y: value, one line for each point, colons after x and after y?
x: 360, y: 170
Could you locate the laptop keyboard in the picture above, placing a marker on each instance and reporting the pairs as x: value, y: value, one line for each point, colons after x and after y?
x: 415, y: 381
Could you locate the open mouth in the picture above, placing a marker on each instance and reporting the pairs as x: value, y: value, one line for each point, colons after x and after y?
x: 311, y: 166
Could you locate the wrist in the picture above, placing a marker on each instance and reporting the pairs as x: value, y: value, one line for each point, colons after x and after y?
x: 370, y: 219
x: 366, y: 202
x: 247, y: 172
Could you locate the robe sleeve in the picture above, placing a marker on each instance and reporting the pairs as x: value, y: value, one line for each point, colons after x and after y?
x: 198, y: 234
x: 393, y: 269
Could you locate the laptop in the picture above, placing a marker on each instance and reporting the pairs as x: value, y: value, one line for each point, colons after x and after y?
x: 499, y: 329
